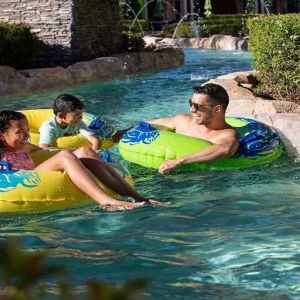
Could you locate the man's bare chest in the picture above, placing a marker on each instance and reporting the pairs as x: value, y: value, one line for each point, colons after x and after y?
x: 198, y: 132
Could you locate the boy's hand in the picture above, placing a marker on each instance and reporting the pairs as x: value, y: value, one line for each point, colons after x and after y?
x: 95, y: 142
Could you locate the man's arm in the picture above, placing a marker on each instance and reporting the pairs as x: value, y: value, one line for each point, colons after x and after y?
x: 169, y: 123
x: 116, y: 137
x: 225, y: 146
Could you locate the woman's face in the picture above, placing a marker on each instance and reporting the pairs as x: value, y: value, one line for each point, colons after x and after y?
x: 16, y: 136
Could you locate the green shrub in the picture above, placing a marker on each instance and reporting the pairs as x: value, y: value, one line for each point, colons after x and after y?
x: 275, y: 46
x: 127, y: 23
x: 216, y: 24
x: 132, y: 42
x: 184, y: 30
x: 18, y: 46
x: 129, y: 8
x: 169, y: 29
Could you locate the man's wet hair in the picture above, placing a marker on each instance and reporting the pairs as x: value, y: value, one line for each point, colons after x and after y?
x: 66, y: 103
x: 217, y: 94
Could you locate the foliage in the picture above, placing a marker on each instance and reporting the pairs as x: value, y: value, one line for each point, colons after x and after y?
x: 275, y: 46
x: 132, y: 42
x: 22, y: 274
x: 127, y: 23
x: 183, y: 31
x: 216, y: 24
x: 159, y: 11
x: 18, y: 46
x: 130, y: 8
x: 207, y: 8
x: 251, y: 6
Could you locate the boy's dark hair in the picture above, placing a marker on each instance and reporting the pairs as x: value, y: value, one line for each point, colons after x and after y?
x: 217, y: 94
x: 66, y: 103
x: 6, y: 116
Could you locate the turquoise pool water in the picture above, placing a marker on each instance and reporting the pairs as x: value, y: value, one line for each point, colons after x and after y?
x: 227, y: 235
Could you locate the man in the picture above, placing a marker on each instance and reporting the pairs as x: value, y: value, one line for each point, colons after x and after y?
x: 208, y: 106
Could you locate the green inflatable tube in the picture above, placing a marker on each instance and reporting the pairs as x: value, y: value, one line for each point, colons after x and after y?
x: 149, y: 147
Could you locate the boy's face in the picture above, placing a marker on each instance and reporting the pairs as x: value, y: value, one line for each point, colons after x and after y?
x: 73, y: 117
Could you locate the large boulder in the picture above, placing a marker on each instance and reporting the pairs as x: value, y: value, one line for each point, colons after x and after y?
x: 103, y: 68
x: 288, y: 127
x: 234, y: 89
x: 216, y: 41
x: 225, y: 42
x: 172, y: 42
x: 6, y: 72
x: 46, y: 78
x: 151, y: 40
x: 243, y: 77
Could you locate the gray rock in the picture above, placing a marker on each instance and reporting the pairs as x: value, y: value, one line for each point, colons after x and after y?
x: 103, y: 68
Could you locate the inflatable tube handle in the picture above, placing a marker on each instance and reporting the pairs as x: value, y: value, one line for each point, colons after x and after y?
x: 5, y: 167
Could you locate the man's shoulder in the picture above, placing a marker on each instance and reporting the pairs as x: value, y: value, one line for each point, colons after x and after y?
x: 229, y: 135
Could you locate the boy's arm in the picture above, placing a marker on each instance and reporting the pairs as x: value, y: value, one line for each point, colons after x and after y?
x: 90, y: 136
x: 95, y: 141
x: 47, y: 137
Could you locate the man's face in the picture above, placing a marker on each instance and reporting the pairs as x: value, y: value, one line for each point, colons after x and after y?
x: 201, y: 108
x: 73, y: 117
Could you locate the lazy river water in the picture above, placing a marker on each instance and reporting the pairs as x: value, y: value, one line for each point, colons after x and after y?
x: 227, y: 235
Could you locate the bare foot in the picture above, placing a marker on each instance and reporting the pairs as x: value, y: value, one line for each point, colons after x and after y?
x: 156, y: 202
x: 127, y: 206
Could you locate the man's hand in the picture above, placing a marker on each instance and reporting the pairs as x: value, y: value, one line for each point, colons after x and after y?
x: 168, y: 165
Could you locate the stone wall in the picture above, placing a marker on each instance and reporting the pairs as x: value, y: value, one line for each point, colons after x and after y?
x: 96, y: 28
x: 73, y: 29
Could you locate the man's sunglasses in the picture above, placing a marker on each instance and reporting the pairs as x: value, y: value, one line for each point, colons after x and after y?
x: 198, y: 107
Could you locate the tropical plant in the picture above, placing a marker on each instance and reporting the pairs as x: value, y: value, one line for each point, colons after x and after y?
x: 24, y: 276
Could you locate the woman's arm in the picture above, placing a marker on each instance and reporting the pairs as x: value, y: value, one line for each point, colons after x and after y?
x: 31, y: 148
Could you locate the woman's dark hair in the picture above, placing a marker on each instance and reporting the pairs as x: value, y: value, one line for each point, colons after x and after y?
x: 6, y: 116
x: 217, y: 94
x: 66, y: 103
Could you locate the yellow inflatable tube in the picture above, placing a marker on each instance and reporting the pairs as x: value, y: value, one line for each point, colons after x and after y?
x: 30, y: 191
x: 36, y: 117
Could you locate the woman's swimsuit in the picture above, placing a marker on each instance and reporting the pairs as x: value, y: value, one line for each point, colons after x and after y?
x: 18, y: 160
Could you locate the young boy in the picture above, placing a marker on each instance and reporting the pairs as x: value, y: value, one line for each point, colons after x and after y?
x: 67, y: 121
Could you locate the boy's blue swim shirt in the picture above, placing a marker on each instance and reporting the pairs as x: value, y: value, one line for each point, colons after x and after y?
x: 50, y: 131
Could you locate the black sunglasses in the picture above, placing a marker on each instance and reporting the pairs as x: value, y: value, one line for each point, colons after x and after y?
x: 198, y: 107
